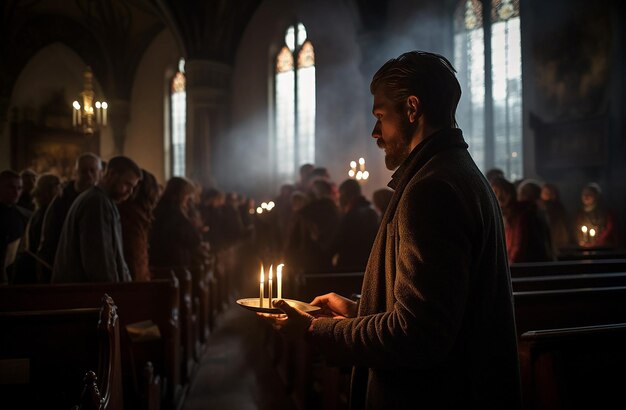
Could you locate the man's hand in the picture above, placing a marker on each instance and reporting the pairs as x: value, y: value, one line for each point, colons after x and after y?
x: 292, y: 324
x: 336, y: 306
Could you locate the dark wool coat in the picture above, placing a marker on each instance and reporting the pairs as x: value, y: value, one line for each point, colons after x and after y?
x: 435, y: 327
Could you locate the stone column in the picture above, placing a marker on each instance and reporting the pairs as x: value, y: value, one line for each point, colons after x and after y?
x: 208, y: 88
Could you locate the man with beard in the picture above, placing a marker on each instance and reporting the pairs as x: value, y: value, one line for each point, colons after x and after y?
x: 434, y: 327
x: 90, y: 246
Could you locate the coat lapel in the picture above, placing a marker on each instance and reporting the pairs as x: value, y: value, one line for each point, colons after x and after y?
x: 377, y: 288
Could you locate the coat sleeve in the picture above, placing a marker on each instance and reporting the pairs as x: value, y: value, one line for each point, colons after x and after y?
x: 430, y: 289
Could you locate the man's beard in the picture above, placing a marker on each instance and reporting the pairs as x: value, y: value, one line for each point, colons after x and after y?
x: 396, y: 154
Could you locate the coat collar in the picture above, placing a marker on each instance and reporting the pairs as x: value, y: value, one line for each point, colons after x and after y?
x: 444, y: 139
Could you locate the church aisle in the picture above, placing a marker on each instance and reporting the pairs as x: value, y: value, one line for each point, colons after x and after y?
x: 236, y: 372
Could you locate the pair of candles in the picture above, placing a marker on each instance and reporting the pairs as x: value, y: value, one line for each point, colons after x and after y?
x: 588, y: 233
x: 279, y: 279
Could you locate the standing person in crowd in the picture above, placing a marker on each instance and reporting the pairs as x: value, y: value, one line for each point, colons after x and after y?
x: 87, y: 173
x: 48, y: 186
x: 494, y: 173
x: 29, y: 178
x: 357, y: 229
x: 305, y: 177
x: 526, y: 227
x: 308, y: 248
x: 13, y: 220
x: 174, y: 237
x: 212, y: 210
x: 435, y: 324
x: 594, y: 214
x: 90, y: 246
x: 27, y: 269
x: 136, y: 218
x: 381, y: 199
x: 558, y: 220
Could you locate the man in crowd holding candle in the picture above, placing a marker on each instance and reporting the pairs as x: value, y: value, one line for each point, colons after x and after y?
x: 434, y: 327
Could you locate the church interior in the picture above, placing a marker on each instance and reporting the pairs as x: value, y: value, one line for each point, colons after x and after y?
x: 229, y: 99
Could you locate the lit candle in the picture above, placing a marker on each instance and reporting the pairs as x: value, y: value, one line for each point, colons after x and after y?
x: 261, y: 288
x: 592, y: 233
x: 98, y: 112
x: 584, y: 231
x: 76, y: 116
x: 279, y: 279
x: 104, y: 113
x: 270, y: 285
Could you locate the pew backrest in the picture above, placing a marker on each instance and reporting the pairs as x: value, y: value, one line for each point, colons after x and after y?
x: 49, y: 353
x: 581, y: 280
x: 561, y: 308
x: 156, y: 301
x: 567, y: 267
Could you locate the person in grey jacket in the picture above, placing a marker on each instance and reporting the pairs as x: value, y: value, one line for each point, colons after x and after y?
x: 90, y: 246
x: 435, y: 325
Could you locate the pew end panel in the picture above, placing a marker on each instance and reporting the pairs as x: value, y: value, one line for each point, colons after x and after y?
x: 574, y: 368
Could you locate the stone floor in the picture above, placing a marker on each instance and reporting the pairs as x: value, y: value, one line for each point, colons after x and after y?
x: 236, y: 372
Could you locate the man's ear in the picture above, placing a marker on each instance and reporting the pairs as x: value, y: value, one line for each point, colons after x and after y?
x: 414, y: 108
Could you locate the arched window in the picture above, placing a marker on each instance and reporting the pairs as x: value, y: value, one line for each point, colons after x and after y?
x: 178, y: 120
x: 294, y: 103
x: 490, y: 111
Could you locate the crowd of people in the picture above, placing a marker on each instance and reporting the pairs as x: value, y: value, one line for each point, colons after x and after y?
x: 126, y: 222
x: 112, y: 221
x: 537, y: 225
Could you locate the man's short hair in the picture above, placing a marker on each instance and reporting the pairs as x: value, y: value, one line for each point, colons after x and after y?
x: 28, y: 172
x: 88, y: 155
x: 122, y: 164
x: 350, y: 188
x: 428, y: 76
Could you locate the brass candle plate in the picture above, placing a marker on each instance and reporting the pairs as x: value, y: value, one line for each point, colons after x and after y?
x: 253, y: 304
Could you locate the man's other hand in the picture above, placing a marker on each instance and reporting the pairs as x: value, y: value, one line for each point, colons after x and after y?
x: 292, y: 324
x: 336, y: 306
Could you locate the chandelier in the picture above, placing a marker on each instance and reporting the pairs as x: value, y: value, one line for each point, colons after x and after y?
x: 360, y: 174
x: 87, y: 116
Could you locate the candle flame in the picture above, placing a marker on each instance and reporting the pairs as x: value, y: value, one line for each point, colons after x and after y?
x: 262, y: 274
x: 584, y: 229
x: 279, y: 270
x: 592, y: 232
x: 271, y: 271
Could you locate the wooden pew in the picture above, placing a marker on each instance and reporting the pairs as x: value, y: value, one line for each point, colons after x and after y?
x: 581, y: 280
x: 201, y: 275
x: 187, y: 318
x: 574, y: 368
x: 561, y: 308
x: 567, y: 267
x: 50, y: 351
x: 155, y: 301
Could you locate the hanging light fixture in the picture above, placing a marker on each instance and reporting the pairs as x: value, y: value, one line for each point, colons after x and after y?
x: 360, y: 174
x: 88, y: 115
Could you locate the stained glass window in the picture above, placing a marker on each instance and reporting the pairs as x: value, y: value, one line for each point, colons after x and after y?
x: 294, y: 109
x: 494, y: 130
x: 178, y: 120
